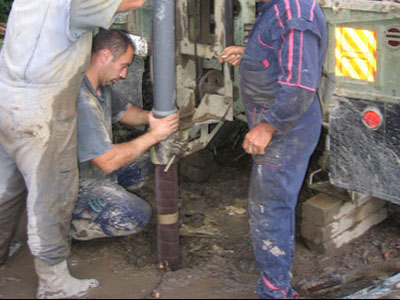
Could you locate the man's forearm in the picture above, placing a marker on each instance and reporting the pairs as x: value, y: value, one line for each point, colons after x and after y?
x: 135, y: 116
x: 291, y: 103
x: 2, y: 29
x: 127, y: 5
x: 125, y: 153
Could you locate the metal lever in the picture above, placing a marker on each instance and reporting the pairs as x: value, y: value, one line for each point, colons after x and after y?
x: 178, y: 149
x: 170, y: 163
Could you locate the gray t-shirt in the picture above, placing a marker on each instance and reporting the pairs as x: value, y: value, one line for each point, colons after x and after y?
x: 95, y: 117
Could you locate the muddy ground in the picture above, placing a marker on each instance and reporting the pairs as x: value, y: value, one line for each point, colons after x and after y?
x: 217, y: 257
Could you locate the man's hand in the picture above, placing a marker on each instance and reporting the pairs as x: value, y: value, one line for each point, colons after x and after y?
x: 127, y: 5
x: 2, y: 29
x: 163, y: 128
x: 232, y: 55
x: 258, y: 138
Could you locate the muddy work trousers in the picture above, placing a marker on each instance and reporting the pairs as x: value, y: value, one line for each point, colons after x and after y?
x: 38, y: 166
x: 275, y: 183
x: 106, y: 209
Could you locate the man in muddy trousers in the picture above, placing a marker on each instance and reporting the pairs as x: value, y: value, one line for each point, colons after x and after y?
x: 42, y: 62
x: 105, y: 208
x: 280, y: 71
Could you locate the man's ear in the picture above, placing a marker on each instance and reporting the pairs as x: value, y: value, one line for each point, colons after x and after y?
x: 106, y: 56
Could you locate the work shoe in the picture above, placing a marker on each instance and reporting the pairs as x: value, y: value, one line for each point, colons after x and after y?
x: 85, y: 230
x: 56, y: 282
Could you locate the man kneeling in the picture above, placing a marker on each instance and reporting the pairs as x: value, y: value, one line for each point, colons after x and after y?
x: 104, y: 207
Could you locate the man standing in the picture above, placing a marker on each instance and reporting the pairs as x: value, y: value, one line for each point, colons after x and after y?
x: 280, y: 71
x: 45, y: 54
x: 105, y: 208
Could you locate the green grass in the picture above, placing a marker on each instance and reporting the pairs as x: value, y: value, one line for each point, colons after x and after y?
x: 5, y: 6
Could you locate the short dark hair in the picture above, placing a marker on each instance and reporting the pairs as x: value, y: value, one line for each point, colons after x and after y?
x: 115, y: 40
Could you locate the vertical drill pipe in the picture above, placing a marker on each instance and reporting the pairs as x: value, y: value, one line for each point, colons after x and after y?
x: 164, y: 62
x: 167, y: 218
x: 228, y: 23
x: 229, y: 28
x: 164, y: 90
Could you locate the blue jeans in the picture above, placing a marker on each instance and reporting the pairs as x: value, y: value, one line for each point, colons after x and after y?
x: 134, y: 175
x: 106, y: 209
x: 275, y: 183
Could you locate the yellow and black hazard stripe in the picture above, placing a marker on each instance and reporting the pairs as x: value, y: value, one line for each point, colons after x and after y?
x: 356, y: 53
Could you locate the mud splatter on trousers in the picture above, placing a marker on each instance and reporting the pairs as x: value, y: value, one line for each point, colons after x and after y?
x: 39, y: 166
x: 106, y: 209
x: 276, y: 181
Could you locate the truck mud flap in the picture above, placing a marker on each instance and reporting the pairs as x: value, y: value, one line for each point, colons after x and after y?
x: 363, y: 158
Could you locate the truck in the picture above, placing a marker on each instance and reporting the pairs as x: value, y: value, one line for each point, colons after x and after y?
x: 359, y: 92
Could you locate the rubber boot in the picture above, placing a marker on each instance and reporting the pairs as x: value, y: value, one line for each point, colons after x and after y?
x: 56, y: 282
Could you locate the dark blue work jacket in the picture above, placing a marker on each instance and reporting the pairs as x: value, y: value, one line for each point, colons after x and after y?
x: 282, y: 64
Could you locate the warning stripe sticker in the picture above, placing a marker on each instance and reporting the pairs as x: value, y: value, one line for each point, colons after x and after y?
x: 356, y: 53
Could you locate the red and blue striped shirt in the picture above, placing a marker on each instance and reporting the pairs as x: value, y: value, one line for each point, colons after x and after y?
x: 288, y: 45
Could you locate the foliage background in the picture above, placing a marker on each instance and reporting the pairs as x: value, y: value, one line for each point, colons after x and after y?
x: 5, y: 6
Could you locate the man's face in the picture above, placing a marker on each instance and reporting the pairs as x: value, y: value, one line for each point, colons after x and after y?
x: 114, y: 70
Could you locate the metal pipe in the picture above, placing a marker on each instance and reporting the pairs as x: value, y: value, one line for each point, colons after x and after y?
x: 164, y: 91
x: 164, y: 62
x: 229, y: 29
x: 167, y: 217
x: 228, y: 23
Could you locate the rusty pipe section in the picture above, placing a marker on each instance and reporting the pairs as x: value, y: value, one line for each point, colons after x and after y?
x: 164, y: 92
x: 167, y: 217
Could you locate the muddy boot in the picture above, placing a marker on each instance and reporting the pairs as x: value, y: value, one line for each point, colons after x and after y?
x: 55, y: 282
x: 85, y: 230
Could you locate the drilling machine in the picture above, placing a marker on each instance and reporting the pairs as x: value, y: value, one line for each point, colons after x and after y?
x: 359, y: 93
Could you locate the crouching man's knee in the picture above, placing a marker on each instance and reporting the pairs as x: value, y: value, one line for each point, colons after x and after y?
x: 120, y: 215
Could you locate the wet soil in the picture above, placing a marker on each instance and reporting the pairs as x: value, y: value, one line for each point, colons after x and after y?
x: 217, y: 258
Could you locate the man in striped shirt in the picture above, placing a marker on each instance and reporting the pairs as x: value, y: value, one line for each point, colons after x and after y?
x: 280, y: 72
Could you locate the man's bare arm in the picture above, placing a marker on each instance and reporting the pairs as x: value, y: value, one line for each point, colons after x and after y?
x: 135, y: 116
x: 2, y: 29
x: 123, y: 154
x: 129, y: 4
